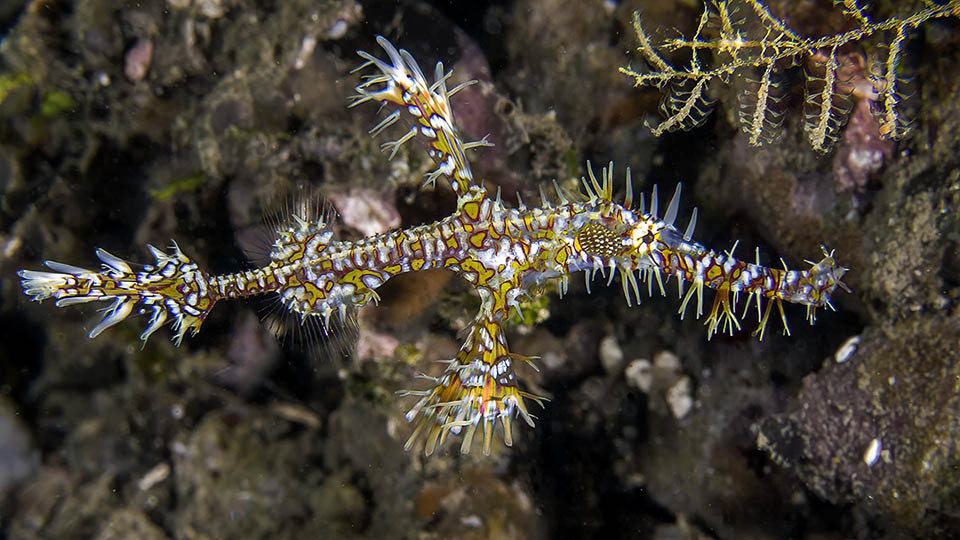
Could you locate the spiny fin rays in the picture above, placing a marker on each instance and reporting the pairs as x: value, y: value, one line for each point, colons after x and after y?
x: 688, y: 234
x: 672, y: 208
x: 602, y: 189
x: 701, y: 268
x: 628, y: 198
x: 653, y: 202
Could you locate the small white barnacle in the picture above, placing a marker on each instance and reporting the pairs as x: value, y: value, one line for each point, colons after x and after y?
x: 847, y: 349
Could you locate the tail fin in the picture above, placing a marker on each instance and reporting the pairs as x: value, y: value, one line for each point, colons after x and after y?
x: 173, y: 289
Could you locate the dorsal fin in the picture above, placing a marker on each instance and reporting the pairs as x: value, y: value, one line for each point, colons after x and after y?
x: 671, y: 215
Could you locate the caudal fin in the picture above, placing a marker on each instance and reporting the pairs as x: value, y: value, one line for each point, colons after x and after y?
x: 173, y: 290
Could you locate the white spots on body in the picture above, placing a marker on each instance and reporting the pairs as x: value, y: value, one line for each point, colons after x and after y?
x: 372, y: 281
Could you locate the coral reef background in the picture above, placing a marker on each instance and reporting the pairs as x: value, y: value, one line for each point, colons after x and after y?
x: 136, y: 122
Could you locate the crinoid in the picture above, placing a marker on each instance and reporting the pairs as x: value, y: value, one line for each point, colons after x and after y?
x: 741, y: 41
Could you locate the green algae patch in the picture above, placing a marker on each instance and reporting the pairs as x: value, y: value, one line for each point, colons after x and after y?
x: 55, y: 103
x: 180, y: 185
x: 11, y: 82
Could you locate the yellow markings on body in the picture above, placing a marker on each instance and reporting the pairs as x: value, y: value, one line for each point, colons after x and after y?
x: 515, y: 233
x: 528, y: 221
x: 398, y: 240
x: 499, y: 301
x: 714, y: 272
x: 452, y: 242
x: 168, y: 291
x: 500, y: 297
x: 315, y: 293
x: 356, y: 277
x: 472, y: 210
x: 298, y: 254
x: 561, y: 256
x: 451, y: 261
x: 774, y: 291
x: 476, y: 240
x: 483, y: 273
x: 417, y: 264
x: 393, y: 270
x: 415, y: 246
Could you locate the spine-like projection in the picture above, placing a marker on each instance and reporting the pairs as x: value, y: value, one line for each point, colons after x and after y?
x: 506, y: 253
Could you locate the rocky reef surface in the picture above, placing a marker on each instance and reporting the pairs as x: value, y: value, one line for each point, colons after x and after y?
x: 129, y: 123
